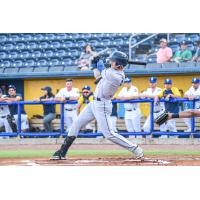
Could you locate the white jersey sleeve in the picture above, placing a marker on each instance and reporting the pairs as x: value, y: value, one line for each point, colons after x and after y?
x: 60, y: 93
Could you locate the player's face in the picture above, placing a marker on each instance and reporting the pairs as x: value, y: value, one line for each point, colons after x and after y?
x: 168, y: 86
x: 69, y: 85
x: 11, y: 92
x: 195, y: 85
x: 113, y: 65
x: 152, y: 85
x: 86, y: 92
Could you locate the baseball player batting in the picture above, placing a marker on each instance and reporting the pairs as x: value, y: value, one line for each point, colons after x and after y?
x: 100, y: 109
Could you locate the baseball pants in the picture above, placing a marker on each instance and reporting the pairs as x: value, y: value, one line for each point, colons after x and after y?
x: 69, y: 118
x: 24, y: 121
x: 4, y: 122
x: 101, y: 111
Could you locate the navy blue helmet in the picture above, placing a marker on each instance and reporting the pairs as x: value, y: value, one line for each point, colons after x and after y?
x: 120, y: 58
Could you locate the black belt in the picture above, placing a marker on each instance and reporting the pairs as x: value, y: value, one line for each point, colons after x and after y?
x: 131, y: 110
x: 97, y: 99
x: 3, y: 117
x: 70, y: 109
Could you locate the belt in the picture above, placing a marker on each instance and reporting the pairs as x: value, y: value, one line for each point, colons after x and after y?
x: 131, y: 110
x: 158, y: 111
x: 97, y: 99
x: 70, y: 109
x: 3, y: 117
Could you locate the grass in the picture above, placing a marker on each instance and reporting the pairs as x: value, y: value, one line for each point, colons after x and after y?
x: 48, y: 153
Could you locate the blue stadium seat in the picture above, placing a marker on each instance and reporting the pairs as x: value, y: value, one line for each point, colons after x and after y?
x: 193, y: 38
x: 8, y: 47
x: 141, y: 57
x: 60, y: 53
x: 42, y: 62
x: 178, y: 38
x: 175, y: 47
x: 67, y: 62
x: 55, y: 45
x: 20, y: 46
x: 36, y: 54
x: 191, y: 47
x: 13, y: 55
x: 56, y: 68
x: 49, y: 36
x: 25, y: 54
x: 11, y: 70
x: 6, y: 63
x: 3, y: 38
x: 170, y: 65
x: 53, y: 62
x: 38, y: 37
x: 154, y: 49
x: 75, y: 53
x: 3, y: 55
x: 40, y: 69
x: 61, y: 36
x: 25, y: 69
x: 87, y: 36
x: 118, y: 42
x: 32, y: 45
x: 94, y: 43
x: 43, y: 45
x: 17, y: 63
x: 106, y: 42
x: 27, y: 37
x: 48, y: 54
x: 67, y: 44
x: 14, y: 38
x: 152, y: 59
x: 81, y: 43
x: 29, y: 63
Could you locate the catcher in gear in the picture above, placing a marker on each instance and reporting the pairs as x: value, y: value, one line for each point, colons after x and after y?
x: 164, y: 117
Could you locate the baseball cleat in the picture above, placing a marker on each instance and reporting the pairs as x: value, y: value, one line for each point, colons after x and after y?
x: 57, y: 156
x: 139, y: 155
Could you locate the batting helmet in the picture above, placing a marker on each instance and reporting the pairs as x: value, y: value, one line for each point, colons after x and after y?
x: 120, y: 58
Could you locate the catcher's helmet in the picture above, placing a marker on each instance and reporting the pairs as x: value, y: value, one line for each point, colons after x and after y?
x: 120, y: 58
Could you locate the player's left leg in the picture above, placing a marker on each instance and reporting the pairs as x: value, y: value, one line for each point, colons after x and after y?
x: 102, y: 114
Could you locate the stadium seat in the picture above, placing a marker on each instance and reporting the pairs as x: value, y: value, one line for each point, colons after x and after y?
x: 8, y: 47
x: 81, y: 43
x: 178, y: 38
x: 153, y: 66
x: 187, y: 64
x: 25, y: 69
x: 170, y: 65
x: 55, y: 45
x: 17, y: 63
x: 38, y: 37
x: 36, y: 54
x: 152, y: 59
x: 43, y: 45
x: 61, y: 36
x: 29, y: 63
x: 11, y: 70
x: 48, y: 54
x: 60, y: 53
x: 67, y: 44
x: 56, y: 68
x: 67, y: 62
x: 41, y: 69
x: 191, y: 47
x: 6, y: 63
x: 106, y: 42
x: 75, y: 53
x: 141, y: 57
x: 175, y: 47
x: 49, y: 36
x: 193, y: 38
x: 14, y: 38
x: 94, y: 43
x: 3, y: 38
x: 25, y: 54
x: 27, y: 37
x: 87, y: 36
x: 32, y: 45
x: 42, y: 62
x: 53, y: 62
x: 118, y: 42
x: 20, y: 46
x: 154, y: 49
x: 3, y: 55
x: 13, y: 55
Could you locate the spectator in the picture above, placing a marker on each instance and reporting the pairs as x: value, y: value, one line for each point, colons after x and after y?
x: 66, y: 94
x: 5, y: 117
x: 151, y: 92
x: 191, y: 94
x: 183, y: 54
x: 132, y: 110
x: 86, y: 97
x: 15, y: 97
x: 164, y: 54
x: 197, y: 53
x: 85, y: 59
x: 49, y: 109
x: 169, y: 92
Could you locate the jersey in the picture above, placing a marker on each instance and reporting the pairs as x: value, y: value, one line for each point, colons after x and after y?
x: 111, y: 80
x: 152, y: 93
x: 83, y: 100
x: 64, y: 93
x: 125, y: 92
x: 4, y: 110
x: 196, y: 93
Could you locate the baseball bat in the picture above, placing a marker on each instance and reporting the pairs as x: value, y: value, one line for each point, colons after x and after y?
x: 137, y: 62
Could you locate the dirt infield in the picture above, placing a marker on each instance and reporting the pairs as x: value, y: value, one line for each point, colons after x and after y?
x: 102, y: 159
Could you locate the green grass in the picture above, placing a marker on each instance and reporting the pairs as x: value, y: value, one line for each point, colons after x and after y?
x: 48, y: 153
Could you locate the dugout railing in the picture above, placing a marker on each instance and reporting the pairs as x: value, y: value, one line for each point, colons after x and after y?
x: 62, y: 128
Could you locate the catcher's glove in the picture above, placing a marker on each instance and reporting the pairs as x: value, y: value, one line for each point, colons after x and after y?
x: 161, y: 119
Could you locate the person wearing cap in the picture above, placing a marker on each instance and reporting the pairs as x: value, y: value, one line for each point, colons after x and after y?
x: 196, y: 56
x: 86, y: 97
x: 151, y: 92
x: 48, y: 109
x: 165, y: 53
x: 191, y: 94
x: 13, y: 96
x: 182, y: 55
x: 66, y: 94
x: 5, y: 114
x: 169, y: 93
x: 132, y: 110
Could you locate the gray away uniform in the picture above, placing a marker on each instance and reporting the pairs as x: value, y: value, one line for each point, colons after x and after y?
x: 101, y: 109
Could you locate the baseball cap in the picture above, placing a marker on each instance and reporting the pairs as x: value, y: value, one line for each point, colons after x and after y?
x: 47, y: 88
x: 127, y: 80
x: 12, y: 86
x: 168, y: 81
x: 183, y: 43
x: 86, y: 87
x: 153, y: 80
x: 195, y: 80
x: 163, y: 40
x: 69, y: 80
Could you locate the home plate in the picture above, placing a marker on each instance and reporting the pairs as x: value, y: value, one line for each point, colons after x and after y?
x: 29, y: 163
